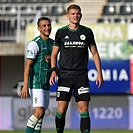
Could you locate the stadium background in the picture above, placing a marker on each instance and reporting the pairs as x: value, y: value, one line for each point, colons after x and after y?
x: 112, y: 22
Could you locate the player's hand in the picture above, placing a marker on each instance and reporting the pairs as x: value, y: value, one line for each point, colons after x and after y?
x: 99, y: 81
x: 24, y: 93
x: 53, y: 78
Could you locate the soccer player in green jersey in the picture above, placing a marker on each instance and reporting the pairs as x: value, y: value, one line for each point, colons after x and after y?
x: 37, y: 73
x: 73, y: 41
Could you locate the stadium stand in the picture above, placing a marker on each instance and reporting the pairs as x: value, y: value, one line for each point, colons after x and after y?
x: 62, y: 1
x: 15, y: 1
x: 128, y: 0
x: 117, y: 11
x: 45, y: 1
x: 114, y: 1
x: 3, y: 1
x: 15, y: 15
x: 26, y: 11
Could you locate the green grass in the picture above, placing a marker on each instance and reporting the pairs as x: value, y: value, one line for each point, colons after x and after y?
x: 76, y: 131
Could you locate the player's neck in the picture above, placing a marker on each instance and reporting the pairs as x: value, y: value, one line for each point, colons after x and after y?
x: 73, y: 26
x: 44, y: 37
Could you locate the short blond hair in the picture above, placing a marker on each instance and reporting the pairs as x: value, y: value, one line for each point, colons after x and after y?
x: 73, y: 6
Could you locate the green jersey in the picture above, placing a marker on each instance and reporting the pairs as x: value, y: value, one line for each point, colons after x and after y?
x: 38, y: 51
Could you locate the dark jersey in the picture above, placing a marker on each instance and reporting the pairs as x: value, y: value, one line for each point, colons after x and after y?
x: 74, y: 50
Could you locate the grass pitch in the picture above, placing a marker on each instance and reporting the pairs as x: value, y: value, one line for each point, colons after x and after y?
x: 76, y: 131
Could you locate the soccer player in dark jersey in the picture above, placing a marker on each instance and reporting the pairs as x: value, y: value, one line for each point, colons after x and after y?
x: 72, y: 42
x: 37, y: 73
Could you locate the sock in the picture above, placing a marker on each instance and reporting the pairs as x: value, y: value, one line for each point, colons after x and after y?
x: 85, y: 122
x: 31, y: 124
x: 60, y: 122
x: 38, y: 127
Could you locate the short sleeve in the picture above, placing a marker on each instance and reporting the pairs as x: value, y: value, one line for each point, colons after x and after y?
x: 57, y: 39
x: 32, y: 50
x: 91, y: 38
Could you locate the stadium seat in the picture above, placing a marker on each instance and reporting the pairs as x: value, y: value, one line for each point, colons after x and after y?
x: 3, y: 1
x: 109, y: 10
x: 125, y: 10
x: 62, y: 1
x: 58, y: 11
x: 54, y: 19
x: 45, y: 1
x: 15, y: 1
x: 30, y: 1
x: 114, y: 1
x: 120, y: 20
x: 10, y: 10
x: 103, y: 20
x: 44, y: 10
x: 26, y: 11
x: 128, y: 0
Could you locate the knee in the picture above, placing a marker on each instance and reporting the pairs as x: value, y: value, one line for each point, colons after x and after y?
x: 83, y: 106
x: 39, y: 113
x: 62, y: 106
x: 83, y: 109
x: 62, y: 111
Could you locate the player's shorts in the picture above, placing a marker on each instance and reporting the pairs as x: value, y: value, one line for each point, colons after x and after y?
x: 39, y: 97
x: 78, y: 86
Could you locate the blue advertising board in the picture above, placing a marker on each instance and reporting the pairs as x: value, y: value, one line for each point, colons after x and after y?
x: 106, y: 112
x: 116, y: 74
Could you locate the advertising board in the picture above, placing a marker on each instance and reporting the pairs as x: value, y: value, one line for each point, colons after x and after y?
x: 106, y: 112
x: 22, y: 110
x: 116, y: 74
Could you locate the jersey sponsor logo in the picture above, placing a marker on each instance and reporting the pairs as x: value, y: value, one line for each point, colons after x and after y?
x: 74, y: 44
x: 61, y: 88
x: 82, y: 37
x: 83, y: 90
x: 29, y: 52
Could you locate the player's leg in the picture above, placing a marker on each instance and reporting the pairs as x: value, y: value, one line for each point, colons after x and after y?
x: 34, y: 123
x: 43, y: 102
x: 84, y: 116
x: 82, y: 96
x: 63, y: 97
x: 60, y: 116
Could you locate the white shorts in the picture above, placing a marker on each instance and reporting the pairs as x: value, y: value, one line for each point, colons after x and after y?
x: 39, y: 97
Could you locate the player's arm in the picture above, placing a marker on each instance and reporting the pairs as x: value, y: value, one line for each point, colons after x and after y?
x: 54, y: 55
x: 25, y: 92
x: 31, y: 55
x: 97, y: 61
x: 27, y: 71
